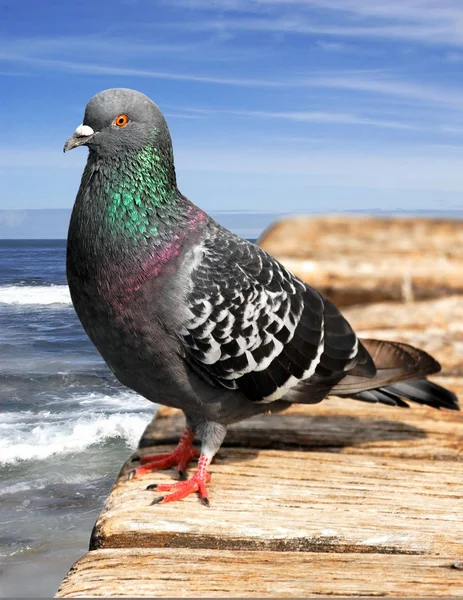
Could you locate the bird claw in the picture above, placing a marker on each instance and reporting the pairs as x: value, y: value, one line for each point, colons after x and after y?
x: 182, y: 489
x: 180, y: 457
x: 181, y: 475
x: 165, y: 461
x: 157, y: 500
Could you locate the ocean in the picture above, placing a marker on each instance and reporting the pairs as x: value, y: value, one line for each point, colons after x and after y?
x: 66, y: 424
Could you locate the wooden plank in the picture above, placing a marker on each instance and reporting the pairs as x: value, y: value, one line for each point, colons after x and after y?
x: 208, y: 573
x: 446, y: 313
x: 340, y: 476
x: 313, y: 501
x: 339, y: 424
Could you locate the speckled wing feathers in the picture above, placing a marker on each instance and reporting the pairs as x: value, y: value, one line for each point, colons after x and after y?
x: 256, y: 328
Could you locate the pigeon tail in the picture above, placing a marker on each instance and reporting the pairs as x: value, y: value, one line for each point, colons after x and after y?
x: 421, y: 391
x: 401, y: 375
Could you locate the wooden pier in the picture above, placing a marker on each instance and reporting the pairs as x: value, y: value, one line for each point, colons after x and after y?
x: 338, y: 499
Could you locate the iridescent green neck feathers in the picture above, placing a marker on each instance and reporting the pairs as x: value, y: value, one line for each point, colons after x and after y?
x: 141, y: 191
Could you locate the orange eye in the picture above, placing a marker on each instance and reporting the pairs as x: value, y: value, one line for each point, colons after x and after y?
x: 121, y: 120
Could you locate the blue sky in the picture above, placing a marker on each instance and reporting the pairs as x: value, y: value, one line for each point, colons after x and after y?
x: 273, y: 105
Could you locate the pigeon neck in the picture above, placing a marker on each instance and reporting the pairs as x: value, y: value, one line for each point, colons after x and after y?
x: 141, y: 194
x: 129, y: 218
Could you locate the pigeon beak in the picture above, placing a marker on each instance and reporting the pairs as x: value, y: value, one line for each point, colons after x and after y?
x: 79, y: 138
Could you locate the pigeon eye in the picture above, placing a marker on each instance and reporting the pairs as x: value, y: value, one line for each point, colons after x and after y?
x: 121, y: 120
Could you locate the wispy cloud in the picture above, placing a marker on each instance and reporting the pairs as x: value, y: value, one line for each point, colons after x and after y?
x: 179, y: 115
x: 454, y: 129
x: 328, y: 118
x: 92, y: 69
x: 15, y: 74
x: 88, y: 46
x: 374, y: 171
x: 392, y: 87
x: 454, y: 57
x: 398, y: 10
x: 125, y: 48
x: 39, y: 157
x: 449, y: 35
x: 424, y: 21
x: 333, y: 46
x: 332, y: 118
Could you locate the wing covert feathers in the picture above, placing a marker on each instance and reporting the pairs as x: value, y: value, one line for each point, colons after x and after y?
x: 256, y: 328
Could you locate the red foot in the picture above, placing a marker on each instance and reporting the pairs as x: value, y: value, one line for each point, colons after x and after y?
x: 182, y: 489
x: 179, y: 457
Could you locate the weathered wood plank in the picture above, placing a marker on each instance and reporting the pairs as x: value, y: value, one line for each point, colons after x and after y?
x: 446, y: 313
x: 339, y: 424
x: 339, y: 476
x: 314, y: 501
x: 212, y: 573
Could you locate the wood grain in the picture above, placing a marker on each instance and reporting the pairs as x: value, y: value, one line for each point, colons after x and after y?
x: 184, y: 573
x: 314, y: 501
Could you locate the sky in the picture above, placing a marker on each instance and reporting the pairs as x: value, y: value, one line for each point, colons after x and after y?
x: 273, y: 105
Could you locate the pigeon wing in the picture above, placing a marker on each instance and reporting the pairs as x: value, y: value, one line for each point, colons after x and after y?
x: 256, y: 328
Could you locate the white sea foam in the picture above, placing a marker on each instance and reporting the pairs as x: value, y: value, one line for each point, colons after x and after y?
x: 35, y: 295
x: 94, y: 419
x: 43, y: 441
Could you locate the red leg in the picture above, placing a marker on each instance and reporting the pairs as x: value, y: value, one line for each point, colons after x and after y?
x: 183, y: 453
x: 182, y: 489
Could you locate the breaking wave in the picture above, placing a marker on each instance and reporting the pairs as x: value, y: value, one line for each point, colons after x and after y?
x: 25, y: 435
x: 35, y: 295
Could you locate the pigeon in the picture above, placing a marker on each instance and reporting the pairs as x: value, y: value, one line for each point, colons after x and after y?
x: 192, y: 316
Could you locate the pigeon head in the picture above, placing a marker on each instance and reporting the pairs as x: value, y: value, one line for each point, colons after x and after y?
x: 120, y: 120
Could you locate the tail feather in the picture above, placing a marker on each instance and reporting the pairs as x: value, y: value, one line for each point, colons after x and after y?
x: 401, y: 372
x: 418, y: 390
x: 394, y: 361
x: 382, y: 395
